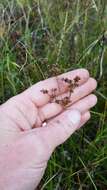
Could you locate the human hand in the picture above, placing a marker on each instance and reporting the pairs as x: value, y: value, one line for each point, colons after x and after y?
x: 25, y: 145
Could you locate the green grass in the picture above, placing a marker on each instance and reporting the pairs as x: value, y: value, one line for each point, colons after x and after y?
x: 39, y: 38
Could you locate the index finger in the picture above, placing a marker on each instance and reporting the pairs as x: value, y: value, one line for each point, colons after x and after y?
x: 40, y: 99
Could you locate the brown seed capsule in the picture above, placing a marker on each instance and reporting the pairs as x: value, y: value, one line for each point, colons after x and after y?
x: 58, y: 101
x: 66, y: 80
x: 65, y: 101
x: 77, y: 79
x: 44, y: 91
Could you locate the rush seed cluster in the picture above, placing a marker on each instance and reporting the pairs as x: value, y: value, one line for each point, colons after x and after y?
x: 65, y: 101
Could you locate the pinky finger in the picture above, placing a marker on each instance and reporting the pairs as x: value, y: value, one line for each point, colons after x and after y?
x: 85, y: 118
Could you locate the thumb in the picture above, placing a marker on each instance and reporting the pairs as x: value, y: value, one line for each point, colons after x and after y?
x: 61, y: 128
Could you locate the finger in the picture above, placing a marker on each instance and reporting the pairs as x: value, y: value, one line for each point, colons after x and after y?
x: 85, y: 104
x: 85, y: 117
x: 35, y: 94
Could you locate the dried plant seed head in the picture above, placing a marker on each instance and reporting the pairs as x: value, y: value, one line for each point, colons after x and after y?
x: 65, y: 101
x: 70, y: 81
x: 66, y: 80
x: 71, y: 90
x: 58, y: 101
x: 77, y: 79
x: 71, y: 85
x: 44, y: 91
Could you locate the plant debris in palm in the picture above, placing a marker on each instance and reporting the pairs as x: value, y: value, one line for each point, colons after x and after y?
x: 71, y: 85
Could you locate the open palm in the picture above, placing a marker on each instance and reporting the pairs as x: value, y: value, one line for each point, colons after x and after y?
x: 25, y: 144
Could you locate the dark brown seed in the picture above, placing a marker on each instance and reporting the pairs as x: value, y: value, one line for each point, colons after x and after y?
x: 64, y: 102
x: 66, y: 80
x: 58, y: 101
x: 77, y: 79
x: 44, y: 91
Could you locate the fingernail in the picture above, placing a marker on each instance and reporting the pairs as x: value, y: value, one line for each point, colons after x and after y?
x: 74, y: 117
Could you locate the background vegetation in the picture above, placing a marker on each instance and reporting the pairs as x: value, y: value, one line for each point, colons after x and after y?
x: 41, y: 38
